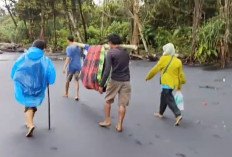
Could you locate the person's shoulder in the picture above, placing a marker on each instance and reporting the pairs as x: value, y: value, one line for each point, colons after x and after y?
x: 70, y: 47
x: 122, y: 49
x: 178, y: 60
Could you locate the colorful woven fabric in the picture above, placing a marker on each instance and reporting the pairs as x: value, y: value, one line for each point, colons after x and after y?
x: 101, y: 65
x: 90, y: 68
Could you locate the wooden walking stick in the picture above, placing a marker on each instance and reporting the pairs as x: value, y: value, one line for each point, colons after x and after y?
x: 49, y: 112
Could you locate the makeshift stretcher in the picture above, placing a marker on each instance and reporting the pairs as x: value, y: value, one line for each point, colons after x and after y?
x: 94, y: 64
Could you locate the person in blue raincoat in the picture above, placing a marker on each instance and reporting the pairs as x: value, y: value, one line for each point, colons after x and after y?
x: 31, y: 73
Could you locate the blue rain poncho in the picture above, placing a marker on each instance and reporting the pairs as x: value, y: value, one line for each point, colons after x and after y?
x: 31, y: 73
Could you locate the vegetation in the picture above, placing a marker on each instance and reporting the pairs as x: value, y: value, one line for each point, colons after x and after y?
x: 200, y: 29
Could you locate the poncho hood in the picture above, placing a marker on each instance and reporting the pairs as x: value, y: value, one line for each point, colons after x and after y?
x: 35, y: 53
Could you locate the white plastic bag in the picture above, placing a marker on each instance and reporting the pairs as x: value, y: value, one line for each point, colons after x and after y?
x: 179, y: 99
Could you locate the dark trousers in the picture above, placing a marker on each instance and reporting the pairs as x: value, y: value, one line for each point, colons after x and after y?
x: 167, y: 99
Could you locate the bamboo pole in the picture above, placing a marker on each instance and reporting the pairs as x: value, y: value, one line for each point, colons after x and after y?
x: 107, y: 46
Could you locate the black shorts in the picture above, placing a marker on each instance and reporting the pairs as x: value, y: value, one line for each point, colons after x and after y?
x: 27, y: 108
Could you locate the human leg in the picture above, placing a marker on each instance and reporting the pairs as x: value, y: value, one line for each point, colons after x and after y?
x: 111, y: 92
x: 77, y: 85
x: 68, y: 80
x: 122, y: 113
x: 30, y: 113
x: 124, y: 95
x: 172, y: 105
x: 163, y: 104
x: 107, y: 121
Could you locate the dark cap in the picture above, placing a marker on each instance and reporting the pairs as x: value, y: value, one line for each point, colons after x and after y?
x: 39, y: 44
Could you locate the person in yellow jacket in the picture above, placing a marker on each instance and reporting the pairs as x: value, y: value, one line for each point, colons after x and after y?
x: 172, y: 78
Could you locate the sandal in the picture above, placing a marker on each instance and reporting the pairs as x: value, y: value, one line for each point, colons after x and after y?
x: 30, y: 132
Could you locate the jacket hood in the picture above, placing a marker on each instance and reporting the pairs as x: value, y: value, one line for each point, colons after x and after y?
x: 35, y: 53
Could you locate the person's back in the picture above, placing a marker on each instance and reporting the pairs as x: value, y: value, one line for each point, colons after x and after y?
x: 31, y: 73
x: 118, y: 60
x: 174, y: 73
x: 172, y: 78
x: 72, y: 66
x: 120, y: 64
x: 74, y: 53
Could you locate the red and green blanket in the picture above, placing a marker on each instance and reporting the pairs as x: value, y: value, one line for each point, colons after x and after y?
x: 93, y: 68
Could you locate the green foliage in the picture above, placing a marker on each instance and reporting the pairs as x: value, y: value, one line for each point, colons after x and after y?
x: 162, y: 21
x: 121, y: 28
x: 180, y: 37
x: 7, y: 30
x: 62, y: 35
x: 94, y: 35
x: 209, y: 37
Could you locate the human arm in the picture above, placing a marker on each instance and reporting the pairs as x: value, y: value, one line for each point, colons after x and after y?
x: 67, y: 60
x: 17, y: 64
x: 158, y: 67
x: 106, y: 71
x: 181, y: 77
x: 51, y: 73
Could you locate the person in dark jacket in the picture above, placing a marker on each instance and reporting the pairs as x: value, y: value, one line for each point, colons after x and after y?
x: 117, y: 61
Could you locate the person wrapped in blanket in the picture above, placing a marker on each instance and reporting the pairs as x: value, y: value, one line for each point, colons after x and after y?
x: 172, y: 79
x: 117, y: 62
x: 32, y: 73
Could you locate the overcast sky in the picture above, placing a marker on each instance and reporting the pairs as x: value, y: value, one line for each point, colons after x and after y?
x: 1, y: 3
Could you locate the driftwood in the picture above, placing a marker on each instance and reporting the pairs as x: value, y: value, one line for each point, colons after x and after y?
x: 10, y: 47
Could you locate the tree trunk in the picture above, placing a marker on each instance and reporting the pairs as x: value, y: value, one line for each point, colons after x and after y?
x: 225, y: 15
x: 42, y: 31
x: 74, y: 10
x: 197, y: 16
x: 83, y: 21
x: 25, y: 24
x: 72, y: 21
x: 67, y: 16
x: 135, y: 35
x: 77, y: 34
x: 138, y: 28
x: 54, y: 26
x: 11, y: 15
x: 31, y: 30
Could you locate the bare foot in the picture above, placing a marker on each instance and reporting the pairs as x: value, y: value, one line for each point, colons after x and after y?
x: 119, y: 128
x: 105, y: 124
x: 65, y: 95
x: 158, y: 115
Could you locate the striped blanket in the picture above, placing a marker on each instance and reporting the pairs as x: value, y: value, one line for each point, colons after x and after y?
x: 92, y: 70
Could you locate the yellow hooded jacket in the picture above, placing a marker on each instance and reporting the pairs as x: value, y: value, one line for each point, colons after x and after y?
x: 174, y: 76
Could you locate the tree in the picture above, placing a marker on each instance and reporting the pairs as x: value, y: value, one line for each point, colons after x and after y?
x: 8, y: 7
x: 225, y: 15
x: 83, y: 20
x: 197, y: 16
x: 2, y: 12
